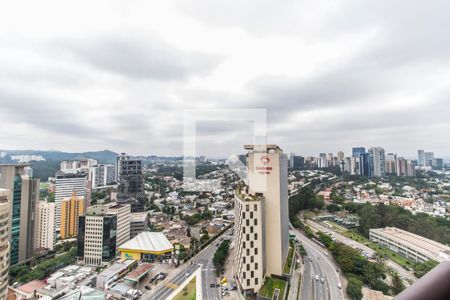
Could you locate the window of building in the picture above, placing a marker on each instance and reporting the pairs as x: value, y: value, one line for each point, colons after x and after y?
x: 255, y: 207
x: 247, y: 207
x: 256, y: 281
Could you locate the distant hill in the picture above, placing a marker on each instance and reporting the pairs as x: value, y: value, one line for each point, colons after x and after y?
x: 102, y: 156
x: 48, y: 168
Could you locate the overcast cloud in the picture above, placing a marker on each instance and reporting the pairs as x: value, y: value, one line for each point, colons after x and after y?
x: 94, y: 75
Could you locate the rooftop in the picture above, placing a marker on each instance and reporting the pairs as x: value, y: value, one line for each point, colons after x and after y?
x: 426, y: 246
x: 148, y: 241
x: 31, y: 286
x: 139, y: 216
x: 141, y: 271
x: 243, y: 195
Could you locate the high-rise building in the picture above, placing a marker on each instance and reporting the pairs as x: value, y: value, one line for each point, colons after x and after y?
x: 77, y: 166
x: 261, y: 218
x: 299, y: 162
x: 291, y: 160
x: 131, y: 182
x: 24, y: 207
x: 340, y: 156
x: 377, y: 161
x: 364, y: 165
x: 71, y: 209
x: 46, y: 225
x: 405, y: 167
x: 65, y: 185
x: 5, y: 213
x: 421, y: 158
x: 428, y: 158
x: 123, y: 212
x: 391, y: 164
x: 102, y: 175
x: 437, y: 163
x: 357, y: 151
x: 139, y: 223
x: 100, y: 230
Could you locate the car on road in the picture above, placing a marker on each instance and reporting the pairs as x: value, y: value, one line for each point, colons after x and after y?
x: 147, y: 287
x: 187, y: 274
x: 317, y: 277
x: 326, y: 254
x: 322, y: 280
x: 310, y: 258
x: 339, y: 285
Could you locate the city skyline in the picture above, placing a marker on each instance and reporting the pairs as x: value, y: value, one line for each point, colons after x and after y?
x: 329, y: 74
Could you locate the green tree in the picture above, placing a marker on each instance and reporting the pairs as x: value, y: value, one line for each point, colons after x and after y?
x: 332, y: 208
x: 354, y: 288
x: 421, y: 269
x: 397, y: 284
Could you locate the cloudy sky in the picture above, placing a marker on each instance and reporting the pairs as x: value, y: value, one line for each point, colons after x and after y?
x: 118, y: 75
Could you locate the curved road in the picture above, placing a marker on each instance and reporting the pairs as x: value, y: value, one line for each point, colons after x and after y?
x: 322, y: 266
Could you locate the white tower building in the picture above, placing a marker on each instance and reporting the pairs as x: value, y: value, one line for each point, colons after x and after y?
x: 262, y: 218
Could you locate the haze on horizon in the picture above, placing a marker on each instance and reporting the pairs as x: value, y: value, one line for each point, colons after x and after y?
x: 87, y: 75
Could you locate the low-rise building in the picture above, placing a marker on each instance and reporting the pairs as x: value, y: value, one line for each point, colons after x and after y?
x: 412, y: 246
x: 28, y: 290
x: 111, y: 274
x: 148, y: 246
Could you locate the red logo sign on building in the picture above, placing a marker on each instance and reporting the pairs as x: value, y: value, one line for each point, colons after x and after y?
x: 264, y: 159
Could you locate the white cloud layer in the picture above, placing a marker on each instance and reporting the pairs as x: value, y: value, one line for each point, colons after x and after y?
x: 92, y: 75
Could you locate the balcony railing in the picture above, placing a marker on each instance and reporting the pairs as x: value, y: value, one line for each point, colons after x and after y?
x: 433, y: 286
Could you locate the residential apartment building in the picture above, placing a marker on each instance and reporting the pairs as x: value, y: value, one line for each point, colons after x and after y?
x: 46, y: 225
x: 428, y: 158
x: 77, y: 166
x: 377, y: 161
x: 65, y: 185
x: 5, y: 213
x: 421, y: 158
x: 71, y: 209
x: 261, y: 218
x: 102, y: 175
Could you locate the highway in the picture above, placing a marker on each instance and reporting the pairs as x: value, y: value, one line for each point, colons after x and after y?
x: 208, y: 272
x: 322, y: 266
x: 204, y: 260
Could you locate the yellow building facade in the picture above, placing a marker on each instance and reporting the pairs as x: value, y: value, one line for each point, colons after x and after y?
x: 71, y: 209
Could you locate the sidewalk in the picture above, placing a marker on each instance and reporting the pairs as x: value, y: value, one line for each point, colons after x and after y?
x: 295, y: 278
